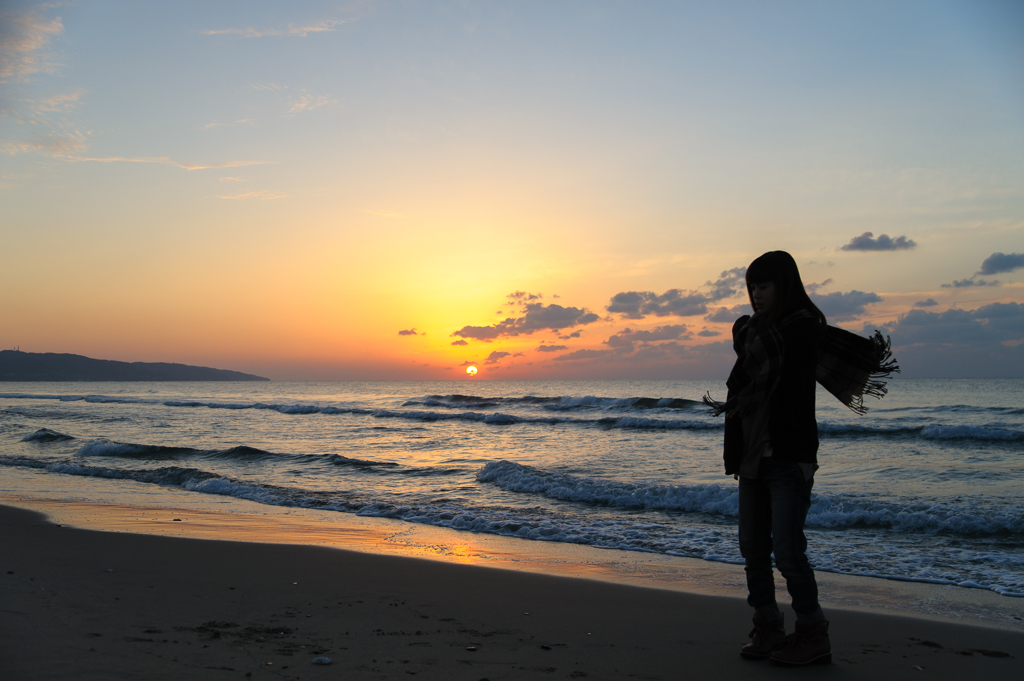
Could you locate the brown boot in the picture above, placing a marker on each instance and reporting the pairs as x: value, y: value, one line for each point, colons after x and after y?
x: 809, y: 644
x: 766, y: 637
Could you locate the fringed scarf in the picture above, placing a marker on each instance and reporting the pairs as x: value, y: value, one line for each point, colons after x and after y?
x: 849, y: 366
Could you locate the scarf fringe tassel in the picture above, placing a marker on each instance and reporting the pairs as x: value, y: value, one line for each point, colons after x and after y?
x: 717, y: 408
x: 883, y: 366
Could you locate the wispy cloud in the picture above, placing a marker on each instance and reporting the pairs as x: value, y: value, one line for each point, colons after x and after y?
x: 39, y: 125
x: 304, y: 100
x: 261, y: 195
x: 231, y: 179
x: 24, y: 37
x: 164, y: 160
x: 61, y: 102
x: 292, y: 30
x: 308, y: 102
x: 33, y: 125
x: 53, y: 142
x: 325, y: 26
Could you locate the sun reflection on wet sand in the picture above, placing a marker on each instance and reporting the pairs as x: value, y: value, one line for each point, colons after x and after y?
x: 389, y: 537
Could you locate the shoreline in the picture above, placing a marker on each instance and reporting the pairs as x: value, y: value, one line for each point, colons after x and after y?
x: 245, y: 521
x: 88, y: 604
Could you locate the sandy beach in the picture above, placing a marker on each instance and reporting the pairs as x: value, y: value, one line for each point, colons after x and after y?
x: 85, y: 604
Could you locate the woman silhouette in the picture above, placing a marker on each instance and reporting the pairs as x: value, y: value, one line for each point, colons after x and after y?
x: 771, y: 444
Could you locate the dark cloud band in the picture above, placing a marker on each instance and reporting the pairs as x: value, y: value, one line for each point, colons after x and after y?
x: 866, y: 242
x: 1002, y: 262
x: 537, y: 317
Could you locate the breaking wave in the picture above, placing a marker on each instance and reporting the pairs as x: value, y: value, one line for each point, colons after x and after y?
x: 827, y: 511
x: 46, y: 435
x: 691, y: 415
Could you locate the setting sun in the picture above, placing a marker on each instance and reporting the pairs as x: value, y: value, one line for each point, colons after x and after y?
x: 471, y: 370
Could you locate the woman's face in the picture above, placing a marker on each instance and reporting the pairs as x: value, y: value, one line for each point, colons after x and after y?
x: 763, y: 296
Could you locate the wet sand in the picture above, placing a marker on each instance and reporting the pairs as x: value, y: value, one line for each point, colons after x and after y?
x: 84, y: 604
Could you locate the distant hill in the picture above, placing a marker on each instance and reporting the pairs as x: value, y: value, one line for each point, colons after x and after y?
x: 48, y: 366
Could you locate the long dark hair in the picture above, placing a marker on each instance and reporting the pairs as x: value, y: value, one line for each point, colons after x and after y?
x: 779, y: 268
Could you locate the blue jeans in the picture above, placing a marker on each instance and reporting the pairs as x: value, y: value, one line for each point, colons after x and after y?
x: 773, y: 508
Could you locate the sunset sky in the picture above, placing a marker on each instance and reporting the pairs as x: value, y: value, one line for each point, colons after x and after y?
x: 394, y: 190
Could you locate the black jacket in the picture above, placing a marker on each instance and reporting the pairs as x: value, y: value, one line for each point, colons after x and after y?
x: 791, y: 425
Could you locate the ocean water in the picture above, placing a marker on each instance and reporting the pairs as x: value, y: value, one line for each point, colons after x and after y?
x: 928, y: 486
